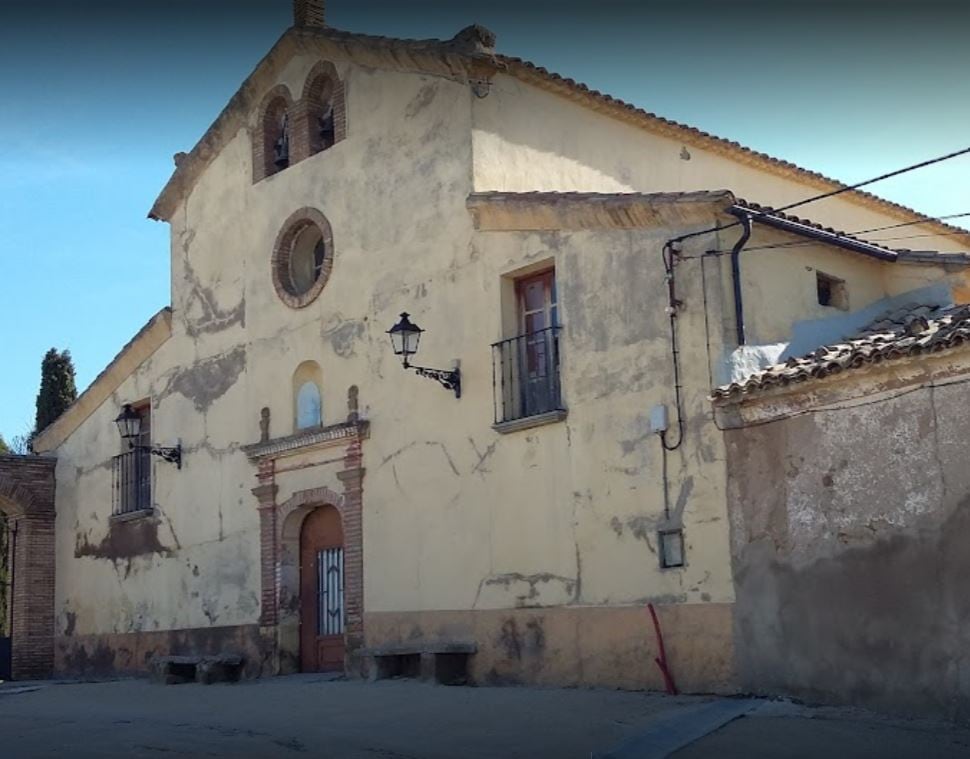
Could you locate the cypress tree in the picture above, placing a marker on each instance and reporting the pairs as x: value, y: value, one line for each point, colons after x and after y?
x: 57, y: 388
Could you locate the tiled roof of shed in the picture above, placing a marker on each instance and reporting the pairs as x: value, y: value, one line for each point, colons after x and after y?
x: 838, y: 235
x: 910, y: 330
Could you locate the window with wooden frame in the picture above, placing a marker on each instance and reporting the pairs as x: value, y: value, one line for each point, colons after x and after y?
x: 527, y: 365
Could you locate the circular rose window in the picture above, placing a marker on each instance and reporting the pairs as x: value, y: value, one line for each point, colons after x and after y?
x: 302, y: 258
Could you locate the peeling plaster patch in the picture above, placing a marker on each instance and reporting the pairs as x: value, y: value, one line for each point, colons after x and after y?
x: 578, y: 589
x: 208, y: 608
x: 208, y: 380
x: 686, y: 488
x: 665, y: 598
x: 203, y: 314
x: 532, y: 583
x: 629, y: 446
x: 624, y: 272
x: 642, y: 527
x: 421, y: 101
x: 70, y: 623
x: 531, y: 641
x: 124, y: 542
x: 343, y: 336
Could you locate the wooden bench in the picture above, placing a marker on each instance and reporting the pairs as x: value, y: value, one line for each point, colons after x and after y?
x: 443, y: 662
x: 174, y: 670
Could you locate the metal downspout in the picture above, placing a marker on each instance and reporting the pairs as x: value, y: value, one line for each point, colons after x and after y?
x: 736, y: 276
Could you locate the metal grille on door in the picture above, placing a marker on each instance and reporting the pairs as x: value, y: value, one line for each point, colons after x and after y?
x: 330, y: 591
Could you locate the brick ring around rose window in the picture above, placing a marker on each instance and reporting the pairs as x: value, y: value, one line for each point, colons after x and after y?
x: 302, y: 257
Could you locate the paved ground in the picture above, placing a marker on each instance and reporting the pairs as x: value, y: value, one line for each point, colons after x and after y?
x: 312, y: 716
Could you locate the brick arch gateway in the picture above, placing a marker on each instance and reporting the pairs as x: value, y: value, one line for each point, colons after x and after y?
x: 27, y: 505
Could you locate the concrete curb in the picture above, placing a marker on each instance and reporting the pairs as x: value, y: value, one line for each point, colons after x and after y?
x: 673, y: 731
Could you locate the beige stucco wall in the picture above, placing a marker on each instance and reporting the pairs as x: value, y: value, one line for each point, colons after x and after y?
x: 529, y: 139
x: 457, y: 516
x: 393, y: 196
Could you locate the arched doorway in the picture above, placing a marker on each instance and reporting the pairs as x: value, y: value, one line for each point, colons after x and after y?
x: 322, y: 612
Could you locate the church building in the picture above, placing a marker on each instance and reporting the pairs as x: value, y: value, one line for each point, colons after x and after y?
x: 436, y: 385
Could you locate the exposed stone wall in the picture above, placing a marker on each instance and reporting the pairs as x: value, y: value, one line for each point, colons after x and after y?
x: 27, y: 498
x: 849, y: 531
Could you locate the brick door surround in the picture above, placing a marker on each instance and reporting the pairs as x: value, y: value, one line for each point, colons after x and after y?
x: 27, y: 500
x: 280, y: 530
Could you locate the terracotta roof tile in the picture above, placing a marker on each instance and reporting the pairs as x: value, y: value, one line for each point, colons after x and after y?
x: 910, y: 330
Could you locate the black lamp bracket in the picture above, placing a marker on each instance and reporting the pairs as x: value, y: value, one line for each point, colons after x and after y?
x: 449, y: 379
x: 171, y: 455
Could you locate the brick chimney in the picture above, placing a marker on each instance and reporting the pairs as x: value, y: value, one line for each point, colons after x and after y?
x: 309, y: 13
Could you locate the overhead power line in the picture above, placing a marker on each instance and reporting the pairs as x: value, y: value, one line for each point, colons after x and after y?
x: 824, y: 195
x: 851, y: 235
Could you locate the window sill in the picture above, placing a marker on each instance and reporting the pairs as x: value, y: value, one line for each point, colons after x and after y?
x: 130, y: 516
x: 528, y: 422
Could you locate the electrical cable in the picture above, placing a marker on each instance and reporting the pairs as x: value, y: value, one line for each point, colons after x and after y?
x: 843, y: 235
x: 829, y: 194
x: 669, y: 265
x: 672, y: 305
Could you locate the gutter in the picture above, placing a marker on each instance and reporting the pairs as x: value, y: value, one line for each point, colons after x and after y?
x: 806, y: 230
x: 736, y: 273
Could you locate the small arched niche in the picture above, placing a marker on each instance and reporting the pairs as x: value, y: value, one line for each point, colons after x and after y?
x: 324, y: 108
x: 307, y: 396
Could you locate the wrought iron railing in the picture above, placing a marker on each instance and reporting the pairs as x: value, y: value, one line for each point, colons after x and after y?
x: 525, y: 375
x: 132, y: 481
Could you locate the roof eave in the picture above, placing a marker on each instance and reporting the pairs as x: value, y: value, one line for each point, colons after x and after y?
x: 822, y: 235
x: 145, y: 342
x: 457, y: 62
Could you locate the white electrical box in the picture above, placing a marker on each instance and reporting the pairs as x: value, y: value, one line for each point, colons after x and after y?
x: 658, y: 419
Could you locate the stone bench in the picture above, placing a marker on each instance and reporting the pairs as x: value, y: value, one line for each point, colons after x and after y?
x: 174, y: 670
x: 443, y: 662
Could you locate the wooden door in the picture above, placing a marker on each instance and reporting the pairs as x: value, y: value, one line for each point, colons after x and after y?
x: 322, y: 592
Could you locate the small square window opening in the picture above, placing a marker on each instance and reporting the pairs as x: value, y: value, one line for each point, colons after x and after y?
x: 832, y: 291
x: 671, y: 548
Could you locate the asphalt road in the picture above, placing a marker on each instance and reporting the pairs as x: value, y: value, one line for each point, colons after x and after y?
x: 312, y: 716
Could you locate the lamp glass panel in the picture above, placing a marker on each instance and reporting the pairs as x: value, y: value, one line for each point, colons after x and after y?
x: 411, y: 340
x: 129, y: 423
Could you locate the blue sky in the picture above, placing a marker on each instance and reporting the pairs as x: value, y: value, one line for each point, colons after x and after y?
x: 99, y: 95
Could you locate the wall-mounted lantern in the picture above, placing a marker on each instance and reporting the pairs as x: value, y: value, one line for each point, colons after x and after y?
x: 405, y: 336
x: 129, y: 425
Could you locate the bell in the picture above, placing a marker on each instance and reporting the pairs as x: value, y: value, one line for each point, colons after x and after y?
x: 326, y: 126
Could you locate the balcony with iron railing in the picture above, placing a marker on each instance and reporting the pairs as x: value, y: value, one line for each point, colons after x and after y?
x: 131, y: 477
x: 525, y: 380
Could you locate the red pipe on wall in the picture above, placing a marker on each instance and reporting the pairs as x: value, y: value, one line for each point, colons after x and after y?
x: 662, y: 658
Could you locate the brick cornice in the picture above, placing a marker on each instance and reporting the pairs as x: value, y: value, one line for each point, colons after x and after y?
x: 321, y: 437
